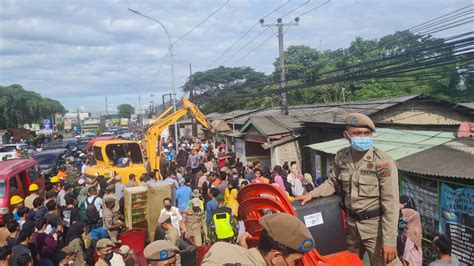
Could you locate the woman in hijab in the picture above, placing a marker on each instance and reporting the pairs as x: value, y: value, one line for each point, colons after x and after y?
x: 410, y: 233
x: 81, y: 206
x: 295, y: 179
x: 279, y: 181
x: 233, y: 203
x: 75, y: 239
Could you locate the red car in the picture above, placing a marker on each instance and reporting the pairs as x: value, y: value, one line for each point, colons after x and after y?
x: 15, y: 178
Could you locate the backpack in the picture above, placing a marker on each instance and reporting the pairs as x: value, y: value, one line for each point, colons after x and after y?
x: 82, y: 211
x: 92, y: 213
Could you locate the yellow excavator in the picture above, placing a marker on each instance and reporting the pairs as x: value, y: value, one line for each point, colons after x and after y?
x: 123, y: 158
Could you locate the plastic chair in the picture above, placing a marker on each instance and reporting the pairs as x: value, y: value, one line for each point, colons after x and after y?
x: 266, y: 191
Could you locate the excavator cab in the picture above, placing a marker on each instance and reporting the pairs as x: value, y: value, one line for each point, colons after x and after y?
x: 120, y: 156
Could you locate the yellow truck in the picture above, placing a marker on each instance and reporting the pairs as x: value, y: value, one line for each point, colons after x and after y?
x: 126, y: 157
x: 122, y: 156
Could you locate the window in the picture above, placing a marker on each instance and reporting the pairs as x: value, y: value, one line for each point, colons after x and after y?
x: 33, y: 174
x: 3, y: 188
x: 13, y: 185
x: 98, y: 153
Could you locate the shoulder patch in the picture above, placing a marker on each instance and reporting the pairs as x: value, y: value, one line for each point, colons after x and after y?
x: 383, y: 170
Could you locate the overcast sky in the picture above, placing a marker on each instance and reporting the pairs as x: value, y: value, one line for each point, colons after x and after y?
x: 80, y: 51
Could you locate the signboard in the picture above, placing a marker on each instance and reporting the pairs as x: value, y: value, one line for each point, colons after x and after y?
x: 457, y: 221
x: 47, y: 124
x: 58, y: 118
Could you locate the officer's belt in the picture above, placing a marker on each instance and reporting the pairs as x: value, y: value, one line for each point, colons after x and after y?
x: 364, y: 215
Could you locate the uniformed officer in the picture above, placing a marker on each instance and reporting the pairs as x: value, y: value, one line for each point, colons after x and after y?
x: 367, y: 180
x: 283, y: 241
x: 171, y: 233
x: 195, y: 222
x: 105, y: 250
x: 110, y: 220
x: 161, y: 253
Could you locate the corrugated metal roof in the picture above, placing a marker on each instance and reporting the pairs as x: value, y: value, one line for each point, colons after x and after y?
x: 396, y: 143
x: 273, y: 125
x: 321, y: 113
x: 452, y: 159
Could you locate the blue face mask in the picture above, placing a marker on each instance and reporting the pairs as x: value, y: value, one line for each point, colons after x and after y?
x: 361, y: 144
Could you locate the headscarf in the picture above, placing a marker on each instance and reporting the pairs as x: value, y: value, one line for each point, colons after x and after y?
x: 308, y: 178
x: 75, y: 231
x: 82, y: 195
x: 279, y: 181
x: 413, y: 229
x: 233, y: 203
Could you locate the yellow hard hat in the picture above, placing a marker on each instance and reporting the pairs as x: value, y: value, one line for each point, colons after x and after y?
x: 15, y: 200
x: 34, y: 187
x: 54, y: 179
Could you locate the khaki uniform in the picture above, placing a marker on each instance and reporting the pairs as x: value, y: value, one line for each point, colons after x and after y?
x: 110, y: 220
x: 101, y: 262
x: 172, y: 236
x: 367, y: 185
x: 29, y: 200
x: 195, y: 225
x: 222, y: 253
x: 80, y: 255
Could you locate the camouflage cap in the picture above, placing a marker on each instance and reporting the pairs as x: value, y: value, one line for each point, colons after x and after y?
x: 196, y: 202
x: 289, y: 231
x: 359, y: 120
x: 104, y: 242
x: 163, y: 218
x: 160, y: 250
x: 69, y: 250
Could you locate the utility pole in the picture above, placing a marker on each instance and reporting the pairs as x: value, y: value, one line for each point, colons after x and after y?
x: 281, y: 48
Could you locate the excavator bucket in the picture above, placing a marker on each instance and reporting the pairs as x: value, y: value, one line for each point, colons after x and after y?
x: 257, y: 200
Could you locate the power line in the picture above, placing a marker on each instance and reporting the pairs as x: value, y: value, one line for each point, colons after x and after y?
x: 262, y: 32
x: 437, y: 18
x: 245, y: 34
x: 266, y: 40
x: 314, y: 8
x: 386, y: 73
x: 202, y: 22
x: 456, y: 16
x: 296, y: 8
x: 254, y: 49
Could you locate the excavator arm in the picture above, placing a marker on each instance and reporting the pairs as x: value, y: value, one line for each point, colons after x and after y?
x: 165, y: 120
x: 196, y: 113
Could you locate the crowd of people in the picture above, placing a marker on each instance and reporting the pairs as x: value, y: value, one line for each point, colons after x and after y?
x: 77, y: 220
x: 66, y: 224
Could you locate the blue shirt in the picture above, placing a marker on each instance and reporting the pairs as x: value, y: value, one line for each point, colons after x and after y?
x: 211, y: 206
x: 183, y: 194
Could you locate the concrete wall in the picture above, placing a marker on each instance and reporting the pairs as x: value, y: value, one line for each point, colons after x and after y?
x: 420, y: 114
x: 287, y: 152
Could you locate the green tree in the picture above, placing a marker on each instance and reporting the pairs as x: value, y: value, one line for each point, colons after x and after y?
x: 307, y: 65
x: 215, y: 90
x: 125, y: 110
x: 19, y: 106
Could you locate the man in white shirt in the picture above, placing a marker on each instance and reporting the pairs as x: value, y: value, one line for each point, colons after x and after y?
x: 93, y: 194
x: 173, y: 212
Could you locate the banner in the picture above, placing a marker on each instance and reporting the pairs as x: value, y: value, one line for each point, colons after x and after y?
x: 457, y: 221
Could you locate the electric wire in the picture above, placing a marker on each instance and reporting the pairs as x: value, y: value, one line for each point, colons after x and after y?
x: 260, y: 34
x: 245, y: 34
x: 202, y: 22
x: 266, y: 40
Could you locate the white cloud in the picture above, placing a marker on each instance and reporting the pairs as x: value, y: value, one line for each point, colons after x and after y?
x: 79, y: 51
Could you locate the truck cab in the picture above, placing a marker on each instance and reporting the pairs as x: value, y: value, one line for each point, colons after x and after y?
x: 122, y: 156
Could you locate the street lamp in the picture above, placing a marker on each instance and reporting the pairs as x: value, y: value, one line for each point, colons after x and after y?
x: 172, y: 66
